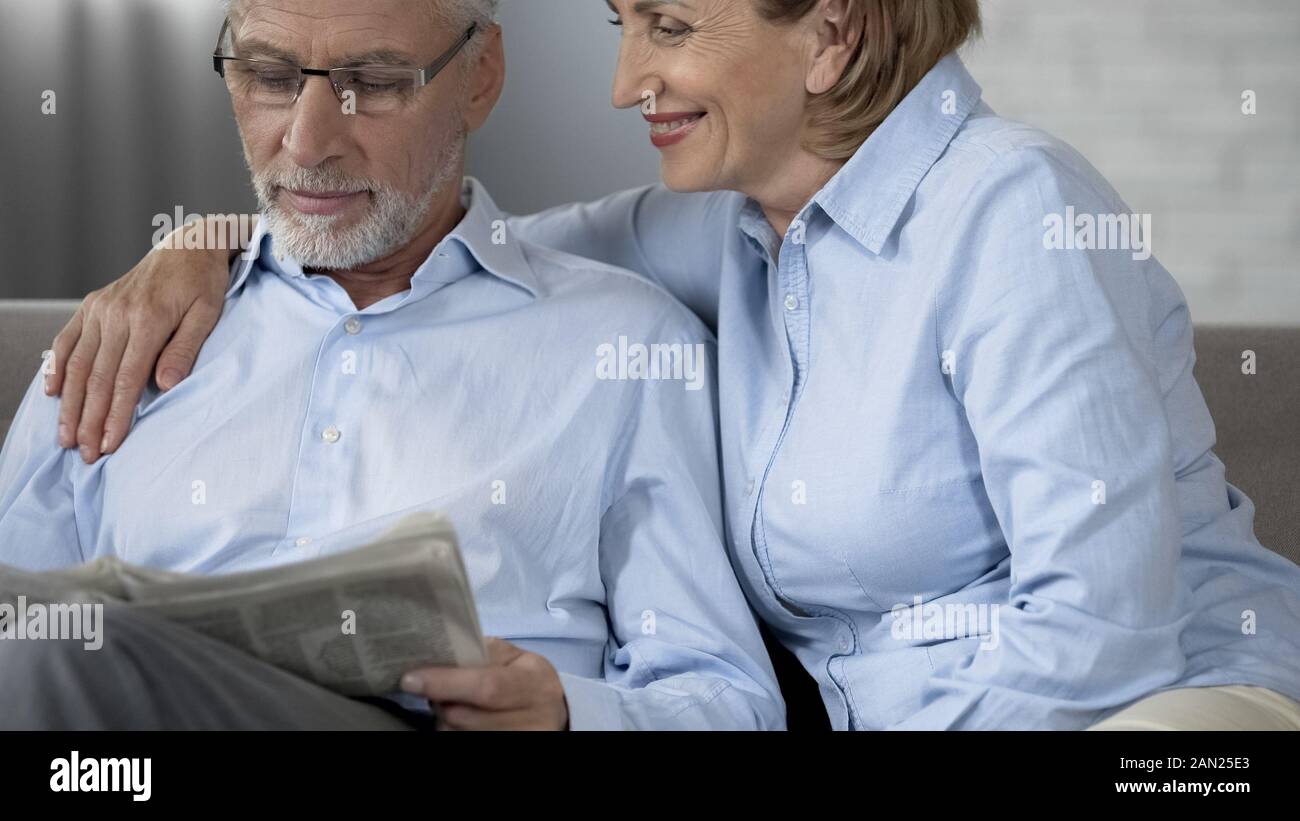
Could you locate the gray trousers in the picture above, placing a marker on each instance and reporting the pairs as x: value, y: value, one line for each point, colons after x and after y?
x: 151, y: 674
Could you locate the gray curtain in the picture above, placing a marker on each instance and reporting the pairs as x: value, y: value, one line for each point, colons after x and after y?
x: 141, y: 125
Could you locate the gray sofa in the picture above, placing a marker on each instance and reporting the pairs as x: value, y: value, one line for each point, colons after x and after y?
x: 1258, y: 416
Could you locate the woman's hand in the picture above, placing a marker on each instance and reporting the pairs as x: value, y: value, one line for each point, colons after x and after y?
x: 104, y: 355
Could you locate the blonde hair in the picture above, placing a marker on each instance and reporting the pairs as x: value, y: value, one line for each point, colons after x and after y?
x: 899, y: 41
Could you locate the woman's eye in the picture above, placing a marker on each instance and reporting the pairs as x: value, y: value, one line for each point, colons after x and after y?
x: 616, y: 22
x: 670, y: 28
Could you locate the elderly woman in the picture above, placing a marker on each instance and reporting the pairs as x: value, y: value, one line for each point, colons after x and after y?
x: 969, y: 474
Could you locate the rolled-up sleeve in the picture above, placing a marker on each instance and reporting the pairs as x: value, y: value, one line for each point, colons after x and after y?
x: 1051, y: 353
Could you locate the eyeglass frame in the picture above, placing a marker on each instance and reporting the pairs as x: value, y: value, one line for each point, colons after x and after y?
x: 426, y: 75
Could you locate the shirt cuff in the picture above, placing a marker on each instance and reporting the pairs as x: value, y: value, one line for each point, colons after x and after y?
x: 593, y: 705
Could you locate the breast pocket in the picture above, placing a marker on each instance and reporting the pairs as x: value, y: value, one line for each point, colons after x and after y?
x: 923, y: 543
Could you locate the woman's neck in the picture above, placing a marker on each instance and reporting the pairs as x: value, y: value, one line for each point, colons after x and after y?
x: 785, y: 192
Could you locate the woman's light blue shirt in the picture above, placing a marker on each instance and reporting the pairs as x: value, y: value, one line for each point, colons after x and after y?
x: 969, y: 475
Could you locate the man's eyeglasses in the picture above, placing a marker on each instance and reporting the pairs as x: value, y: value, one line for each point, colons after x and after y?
x: 375, y: 89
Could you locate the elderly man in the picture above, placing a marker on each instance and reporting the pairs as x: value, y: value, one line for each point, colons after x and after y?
x: 385, y: 347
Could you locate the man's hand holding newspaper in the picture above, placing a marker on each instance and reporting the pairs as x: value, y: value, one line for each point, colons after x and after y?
x: 397, y: 613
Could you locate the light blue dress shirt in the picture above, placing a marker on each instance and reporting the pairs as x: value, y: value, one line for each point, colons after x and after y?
x: 933, y: 411
x: 588, y: 508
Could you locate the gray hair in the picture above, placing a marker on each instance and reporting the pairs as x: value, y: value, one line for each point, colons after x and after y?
x: 462, y: 13
x: 457, y: 14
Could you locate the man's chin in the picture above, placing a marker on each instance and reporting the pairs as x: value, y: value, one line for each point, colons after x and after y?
x: 316, y: 247
x: 311, y: 225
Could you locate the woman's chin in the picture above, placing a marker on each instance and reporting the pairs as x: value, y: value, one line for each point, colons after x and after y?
x: 685, y: 179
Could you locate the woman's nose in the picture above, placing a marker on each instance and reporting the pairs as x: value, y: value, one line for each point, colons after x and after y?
x: 634, y: 77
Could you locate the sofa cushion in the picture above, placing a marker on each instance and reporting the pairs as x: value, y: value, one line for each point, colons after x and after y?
x: 1257, y: 418
x: 27, y: 327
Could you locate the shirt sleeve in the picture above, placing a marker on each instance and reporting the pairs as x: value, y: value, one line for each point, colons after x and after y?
x: 676, y: 240
x: 684, y: 651
x: 1052, y: 356
x: 38, y: 525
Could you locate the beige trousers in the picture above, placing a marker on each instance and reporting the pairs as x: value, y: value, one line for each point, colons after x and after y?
x: 1233, y: 707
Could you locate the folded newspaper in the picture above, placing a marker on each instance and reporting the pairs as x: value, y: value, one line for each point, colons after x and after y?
x: 353, y: 622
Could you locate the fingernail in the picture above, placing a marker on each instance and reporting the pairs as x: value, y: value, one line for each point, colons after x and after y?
x: 169, y: 379
x: 86, y: 455
x: 49, y: 387
x: 411, y: 683
x: 65, y: 436
x: 103, y: 444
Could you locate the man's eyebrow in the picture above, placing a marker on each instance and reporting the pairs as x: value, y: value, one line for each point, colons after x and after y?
x: 379, y: 57
x: 259, y: 49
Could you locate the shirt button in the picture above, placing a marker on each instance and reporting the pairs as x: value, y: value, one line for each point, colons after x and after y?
x: 844, y: 644
x: 331, y: 434
x: 749, y: 488
x: 352, y: 326
x: 791, y: 302
x: 302, y: 541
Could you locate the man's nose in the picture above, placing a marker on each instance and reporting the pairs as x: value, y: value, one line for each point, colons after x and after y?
x: 319, y: 124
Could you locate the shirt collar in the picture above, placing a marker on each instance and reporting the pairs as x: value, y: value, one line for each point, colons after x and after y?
x: 479, y: 242
x: 484, y: 233
x: 868, y: 195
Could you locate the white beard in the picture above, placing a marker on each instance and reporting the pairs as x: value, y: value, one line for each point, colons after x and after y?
x: 389, y: 224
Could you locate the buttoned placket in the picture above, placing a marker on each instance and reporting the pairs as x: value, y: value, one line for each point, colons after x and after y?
x: 328, y: 436
x: 792, y: 290
x: 326, y: 441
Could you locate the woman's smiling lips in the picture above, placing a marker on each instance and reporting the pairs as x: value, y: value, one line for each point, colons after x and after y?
x: 672, y: 127
x: 325, y: 203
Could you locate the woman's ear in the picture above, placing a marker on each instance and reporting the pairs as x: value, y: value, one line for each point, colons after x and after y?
x: 837, y: 30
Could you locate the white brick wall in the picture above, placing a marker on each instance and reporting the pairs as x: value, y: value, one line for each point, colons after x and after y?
x: 1150, y: 91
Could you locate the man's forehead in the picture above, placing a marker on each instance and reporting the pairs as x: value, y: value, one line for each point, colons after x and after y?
x: 346, y: 32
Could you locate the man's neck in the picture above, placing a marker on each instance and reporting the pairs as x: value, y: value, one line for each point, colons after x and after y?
x: 383, y: 278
